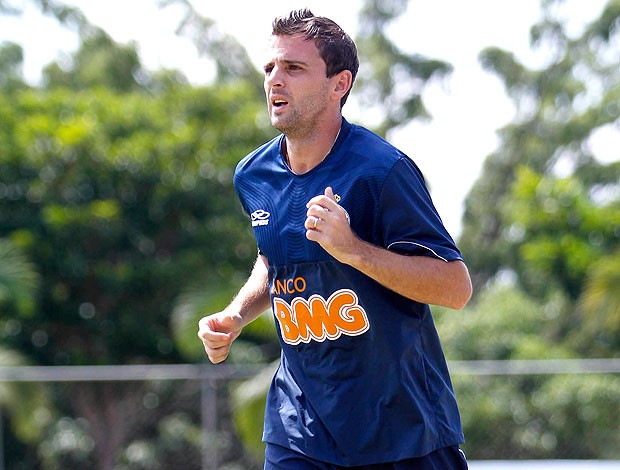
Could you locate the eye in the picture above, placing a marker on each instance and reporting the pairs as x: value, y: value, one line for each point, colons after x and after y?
x: 268, y: 68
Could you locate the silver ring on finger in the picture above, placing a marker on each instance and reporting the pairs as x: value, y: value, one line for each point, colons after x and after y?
x: 316, y: 221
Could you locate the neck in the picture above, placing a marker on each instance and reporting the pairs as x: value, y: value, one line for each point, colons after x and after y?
x: 302, y: 155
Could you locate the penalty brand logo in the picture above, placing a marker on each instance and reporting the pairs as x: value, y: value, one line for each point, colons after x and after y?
x: 260, y: 217
x: 318, y: 319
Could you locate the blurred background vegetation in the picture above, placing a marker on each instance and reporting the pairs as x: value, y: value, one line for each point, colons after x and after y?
x: 119, y: 229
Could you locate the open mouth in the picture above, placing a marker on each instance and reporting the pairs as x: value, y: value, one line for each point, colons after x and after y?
x: 279, y: 103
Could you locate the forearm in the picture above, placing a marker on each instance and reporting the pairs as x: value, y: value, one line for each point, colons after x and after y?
x: 423, y: 279
x: 253, y: 298
x: 217, y: 331
x: 420, y: 278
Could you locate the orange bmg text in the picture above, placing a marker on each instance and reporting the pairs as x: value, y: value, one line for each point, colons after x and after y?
x: 316, y: 318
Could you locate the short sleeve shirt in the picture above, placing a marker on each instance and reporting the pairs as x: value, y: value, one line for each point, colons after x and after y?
x: 362, y: 377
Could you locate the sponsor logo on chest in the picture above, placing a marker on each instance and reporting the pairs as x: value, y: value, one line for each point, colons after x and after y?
x: 316, y: 318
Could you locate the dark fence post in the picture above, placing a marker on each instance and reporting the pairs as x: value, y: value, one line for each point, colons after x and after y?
x: 210, y: 456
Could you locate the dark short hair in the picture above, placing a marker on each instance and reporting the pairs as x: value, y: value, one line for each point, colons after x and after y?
x: 335, y: 47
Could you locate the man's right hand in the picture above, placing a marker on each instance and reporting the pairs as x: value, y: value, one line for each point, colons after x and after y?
x: 217, y: 333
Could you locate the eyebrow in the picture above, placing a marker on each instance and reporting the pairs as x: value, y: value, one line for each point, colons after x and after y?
x: 287, y: 62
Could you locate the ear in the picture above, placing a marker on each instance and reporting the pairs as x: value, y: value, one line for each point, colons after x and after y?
x: 342, y: 83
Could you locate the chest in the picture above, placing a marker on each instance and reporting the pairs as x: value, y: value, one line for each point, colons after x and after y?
x: 278, y: 213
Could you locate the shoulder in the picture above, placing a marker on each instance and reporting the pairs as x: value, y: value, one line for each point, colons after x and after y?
x: 372, y: 151
x: 367, y: 142
x: 261, y: 159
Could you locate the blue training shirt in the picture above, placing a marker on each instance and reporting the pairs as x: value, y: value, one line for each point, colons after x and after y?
x: 362, y: 377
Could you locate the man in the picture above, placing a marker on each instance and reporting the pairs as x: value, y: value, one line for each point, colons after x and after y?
x: 351, y: 252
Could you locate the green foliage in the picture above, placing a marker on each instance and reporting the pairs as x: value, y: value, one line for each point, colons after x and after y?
x: 598, y: 308
x: 561, y: 417
x: 67, y: 444
x: 175, y: 446
x: 504, y: 323
x: 248, y: 401
x: 18, y: 279
x: 29, y: 405
x: 99, y: 62
x: 495, y: 410
x: 115, y: 186
x: 11, y: 61
x: 116, y: 198
x: 525, y: 416
x: 119, y: 200
x: 577, y: 414
x: 557, y: 231
x: 545, y: 209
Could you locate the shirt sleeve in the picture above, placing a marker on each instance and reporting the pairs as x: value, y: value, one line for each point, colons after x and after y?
x: 410, y: 222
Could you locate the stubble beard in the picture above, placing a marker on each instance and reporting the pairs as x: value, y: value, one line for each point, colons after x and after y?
x: 298, y: 124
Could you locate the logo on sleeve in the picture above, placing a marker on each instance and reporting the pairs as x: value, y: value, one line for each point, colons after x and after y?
x: 260, y: 217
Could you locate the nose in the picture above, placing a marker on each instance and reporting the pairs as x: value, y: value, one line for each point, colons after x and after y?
x: 274, y: 77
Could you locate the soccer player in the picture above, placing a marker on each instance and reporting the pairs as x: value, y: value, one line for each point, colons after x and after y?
x: 351, y: 254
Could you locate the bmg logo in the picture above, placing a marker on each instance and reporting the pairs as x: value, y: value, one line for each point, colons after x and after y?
x: 319, y: 319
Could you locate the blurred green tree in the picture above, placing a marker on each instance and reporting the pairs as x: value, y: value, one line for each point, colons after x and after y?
x: 536, y: 416
x: 120, y: 194
x: 18, y: 280
x: 29, y: 404
x: 11, y: 61
x: 544, y: 217
x: 231, y: 59
x: 391, y: 80
x: 559, y: 108
x: 99, y: 62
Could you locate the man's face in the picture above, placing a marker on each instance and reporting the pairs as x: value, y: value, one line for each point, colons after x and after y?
x: 296, y: 87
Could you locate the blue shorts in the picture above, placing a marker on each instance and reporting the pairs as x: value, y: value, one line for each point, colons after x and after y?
x: 446, y: 458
